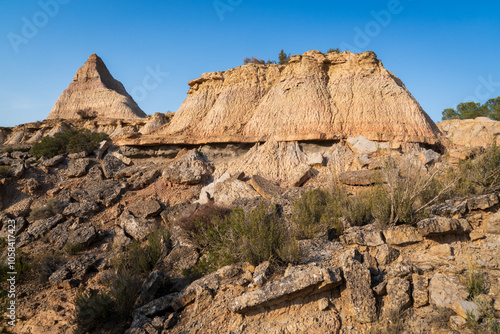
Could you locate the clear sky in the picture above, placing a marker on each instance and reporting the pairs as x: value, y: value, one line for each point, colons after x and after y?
x: 446, y: 52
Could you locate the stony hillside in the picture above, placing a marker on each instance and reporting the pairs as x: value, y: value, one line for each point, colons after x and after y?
x: 316, y: 197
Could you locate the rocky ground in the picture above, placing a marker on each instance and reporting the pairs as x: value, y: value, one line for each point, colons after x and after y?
x: 373, y: 279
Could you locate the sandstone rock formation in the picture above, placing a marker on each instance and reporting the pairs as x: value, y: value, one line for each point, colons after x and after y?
x: 315, y: 97
x: 480, y: 131
x: 95, y: 93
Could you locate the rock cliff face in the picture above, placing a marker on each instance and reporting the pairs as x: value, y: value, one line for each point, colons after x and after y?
x: 95, y: 93
x: 315, y: 97
x: 480, y: 131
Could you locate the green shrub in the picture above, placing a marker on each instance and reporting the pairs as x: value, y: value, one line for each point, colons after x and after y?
x: 480, y: 174
x: 475, y: 280
x: 318, y: 210
x: 255, y: 237
x: 5, y: 172
x: 110, y: 311
x: 73, y: 248
x: 94, y: 311
x: 69, y: 141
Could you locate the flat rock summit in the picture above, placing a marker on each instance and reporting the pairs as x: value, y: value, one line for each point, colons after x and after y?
x: 315, y: 97
x: 95, y: 93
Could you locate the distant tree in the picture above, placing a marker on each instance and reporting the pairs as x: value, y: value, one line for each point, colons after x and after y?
x: 283, y: 58
x: 269, y: 62
x: 468, y: 110
x: 253, y: 60
x: 336, y: 50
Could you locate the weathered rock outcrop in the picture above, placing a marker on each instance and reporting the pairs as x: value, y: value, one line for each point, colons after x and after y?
x: 480, y: 131
x: 95, y: 93
x: 315, y: 97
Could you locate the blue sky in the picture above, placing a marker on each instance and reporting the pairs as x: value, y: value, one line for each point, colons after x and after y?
x: 445, y: 53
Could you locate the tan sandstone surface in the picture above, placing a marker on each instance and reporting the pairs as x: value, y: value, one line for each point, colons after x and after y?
x: 315, y: 97
x: 96, y: 93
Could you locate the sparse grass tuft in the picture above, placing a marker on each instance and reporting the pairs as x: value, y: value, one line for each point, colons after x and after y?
x: 475, y: 280
x: 51, y: 208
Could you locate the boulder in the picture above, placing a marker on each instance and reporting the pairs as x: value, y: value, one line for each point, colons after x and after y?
x: 310, y: 280
x: 181, y: 258
x: 316, y: 159
x: 79, y: 155
x: 143, y: 178
x: 261, y: 273
x: 83, y: 235
x: 362, y: 235
x: 420, y: 292
x: 398, y: 296
x: 445, y: 290
x: 103, y: 147
x: 52, y: 162
x: 80, y: 209
x: 402, y: 235
x: 38, y: 229
x: 137, y: 228
x: 264, y: 187
x: 191, y: 175
x: 17, y: 171
x: 225, y: 190
x: 20, y: 208
x: 441, y: 225
x: 111, y: 165
x: 463, y: 307
x: 362, y: 303
x: 76, y: 269
x: 429, y: 157
x: 361, y: 145
x: 145, y: 209
x: 386, y: 255
x: 493, y: 223
x: 300, y: 175
x: 126, y: 160
x: 482, y: 202
x: 77, y: 168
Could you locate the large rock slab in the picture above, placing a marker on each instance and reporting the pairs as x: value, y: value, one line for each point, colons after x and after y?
x: 445, y: 290
x: 493, y: 223
x: 77, y: 168
x: 264, y: 187
x: 309, y: 280
x: 362, y: 303
x: 441, y: 225
x: 398, y: 296
x: 111, y: 165
x: 80, y: 209
x: 402, y: 235
x: 137, y: 228
x: 363, y: 236
x: 145, y: 209
x: 361, y: 145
